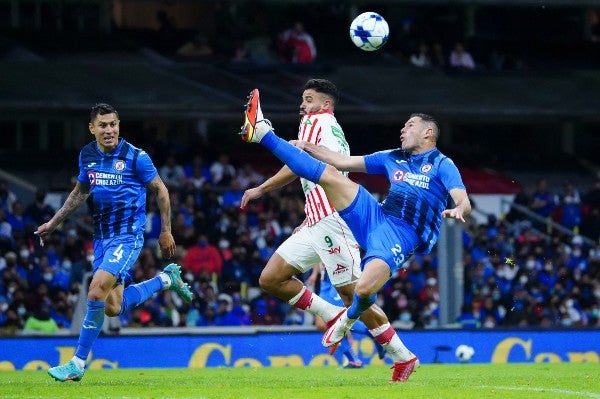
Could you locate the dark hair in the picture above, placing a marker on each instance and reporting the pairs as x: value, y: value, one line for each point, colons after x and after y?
x: 323, y: 86
x: 102, y: 109
x: 430, y: 120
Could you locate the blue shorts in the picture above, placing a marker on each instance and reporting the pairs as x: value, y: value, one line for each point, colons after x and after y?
x: 117, y: 255
x: 382, y: 236
x: 328, y: 292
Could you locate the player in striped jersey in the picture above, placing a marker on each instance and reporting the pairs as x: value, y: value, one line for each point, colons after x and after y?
x: 323, y: 236
x: 422, y: 180
x: 115, y: 174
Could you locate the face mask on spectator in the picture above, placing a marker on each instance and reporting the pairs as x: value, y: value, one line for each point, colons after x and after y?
x: 577, y: 253
x: 530, y: 264
x: 90, y: 258
x: 3, y: 307
x: 67, y: 264
x: 566, y: 322
x: 405, y: 317
x: 21, y: 311
x: 48, y: 276
x: 24, y: 253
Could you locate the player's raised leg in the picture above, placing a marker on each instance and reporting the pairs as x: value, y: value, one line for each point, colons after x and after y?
x: 256, y: 129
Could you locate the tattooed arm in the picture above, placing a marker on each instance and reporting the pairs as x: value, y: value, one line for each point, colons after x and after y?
x: 165, y: 239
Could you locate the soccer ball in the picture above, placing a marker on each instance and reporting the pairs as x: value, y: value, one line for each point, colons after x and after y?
x: 464, y: 353
x: 369, y: 31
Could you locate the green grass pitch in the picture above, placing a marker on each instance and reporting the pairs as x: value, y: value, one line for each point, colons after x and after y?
x: 437, y: 381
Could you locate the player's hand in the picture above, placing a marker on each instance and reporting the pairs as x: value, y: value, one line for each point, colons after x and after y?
x: 300, y: 144
x: 43, y: 231
x: 454, y: 213
x: 249, y: 195
x: 167, y: 244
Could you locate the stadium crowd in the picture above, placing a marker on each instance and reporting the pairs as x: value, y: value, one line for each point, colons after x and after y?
x: 515, y: 273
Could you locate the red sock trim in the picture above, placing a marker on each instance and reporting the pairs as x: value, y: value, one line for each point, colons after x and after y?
x: 305, y: 300
x: 385, y: 336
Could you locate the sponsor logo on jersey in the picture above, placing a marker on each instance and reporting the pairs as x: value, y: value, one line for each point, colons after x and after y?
x: 339, y: 269
x: 104, y: 179
x: 413, y: 179
x: 334, y: 250
x: 119, y: 165
x: 89, y: 165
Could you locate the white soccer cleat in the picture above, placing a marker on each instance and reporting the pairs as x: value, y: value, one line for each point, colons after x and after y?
x: 255, y: 125
x: 336, y: 330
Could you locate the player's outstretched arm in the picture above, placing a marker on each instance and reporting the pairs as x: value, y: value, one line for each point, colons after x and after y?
x: 165, y: 239
x: 344, y: 163
x: 463, y: 205
x: 282, y: 178
x: 77, y: 197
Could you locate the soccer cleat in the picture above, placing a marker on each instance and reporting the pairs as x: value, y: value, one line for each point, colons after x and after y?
x: 67, y: 372
x: 335, y: 332
x: 354, y: 365
x: 177, y: 283
x: 403, y: 370
x: 255, y: 125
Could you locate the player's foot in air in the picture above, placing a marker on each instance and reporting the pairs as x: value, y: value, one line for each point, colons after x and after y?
x: 67, y: 372
x: 255, y: 125
x: 403, y: 370
x: 177, y: 284
x: 336, y: 330
x: 354, y: 365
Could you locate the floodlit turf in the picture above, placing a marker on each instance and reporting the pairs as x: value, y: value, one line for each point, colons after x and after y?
x: 437, y: 381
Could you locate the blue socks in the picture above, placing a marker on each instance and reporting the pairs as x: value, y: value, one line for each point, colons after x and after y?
x: 133, y: 296
x: 136, y: 294
x: 359, y: 305
x: 299, y: 161
x: 346, y: 349
x: 90, y: 329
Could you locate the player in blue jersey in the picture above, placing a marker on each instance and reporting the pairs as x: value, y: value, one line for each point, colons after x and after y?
x: 422, y: 180
x: 116, y: 175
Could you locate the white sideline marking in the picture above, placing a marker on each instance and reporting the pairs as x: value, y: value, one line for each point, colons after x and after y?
x: 553, y: 390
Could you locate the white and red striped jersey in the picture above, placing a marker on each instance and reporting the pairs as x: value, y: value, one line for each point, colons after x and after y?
x: 322, y: 129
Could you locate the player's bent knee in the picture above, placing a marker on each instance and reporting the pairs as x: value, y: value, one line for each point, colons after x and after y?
x: 364, y: 290
x: 112, y: 311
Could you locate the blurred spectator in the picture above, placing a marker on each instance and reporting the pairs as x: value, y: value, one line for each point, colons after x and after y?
x: 197, y: 47
x: 570, y: 206
x: 247, y: 176
x: 38, y: 210
x: 232, y: 196
x: 6, y: 236
x: 203, y: 259
x: 421, y: 57
x: 221, y: 171
x: 18, y: 220
x: 543, y: 200
x: 460, y: 58
x: 172, y: 173
x: 40, y: 321
x: 296, y: 46
x: 7, y: 197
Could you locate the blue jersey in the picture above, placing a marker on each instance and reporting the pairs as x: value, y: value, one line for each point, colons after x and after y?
x: 419, y: 189
x: 117, y: 186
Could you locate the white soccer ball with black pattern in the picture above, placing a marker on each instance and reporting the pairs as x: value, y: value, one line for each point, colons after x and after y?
x: 464, y: 353
x: 369, y: 31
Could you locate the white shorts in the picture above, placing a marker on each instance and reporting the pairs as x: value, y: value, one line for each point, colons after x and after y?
x: 329, y: 241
